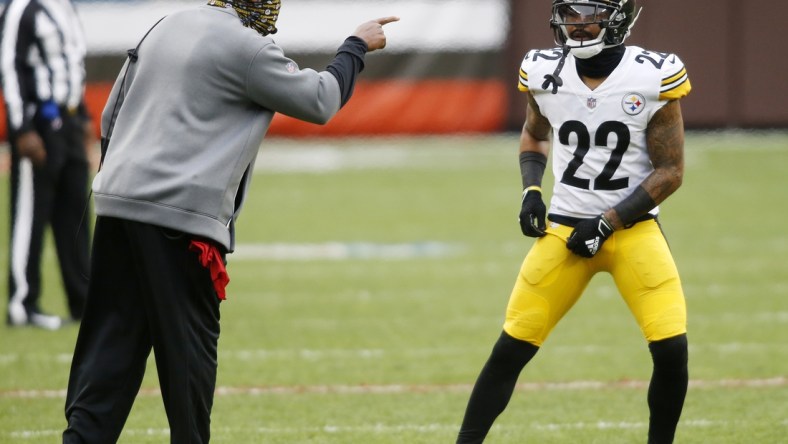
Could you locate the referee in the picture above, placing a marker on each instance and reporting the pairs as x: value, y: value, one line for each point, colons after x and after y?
x: 42, y: 52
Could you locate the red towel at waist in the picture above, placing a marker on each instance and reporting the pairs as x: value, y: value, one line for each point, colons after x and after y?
x: 211, y: 259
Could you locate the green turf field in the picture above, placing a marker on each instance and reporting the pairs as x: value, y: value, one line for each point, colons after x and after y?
x: 370, y: 283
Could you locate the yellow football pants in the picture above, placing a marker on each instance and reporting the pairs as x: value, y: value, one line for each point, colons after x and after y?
x: 552, y: 278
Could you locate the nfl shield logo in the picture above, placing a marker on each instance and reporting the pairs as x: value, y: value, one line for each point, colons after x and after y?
x: 591, y: 102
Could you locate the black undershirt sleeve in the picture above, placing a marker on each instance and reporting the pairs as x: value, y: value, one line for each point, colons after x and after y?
x: 347, y: 64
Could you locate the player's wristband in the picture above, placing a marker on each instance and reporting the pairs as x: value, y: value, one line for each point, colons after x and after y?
x: 532, y: 166
x: 635, y: 205
x: 532, y: 188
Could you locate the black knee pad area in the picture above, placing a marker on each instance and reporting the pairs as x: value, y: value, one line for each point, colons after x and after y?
x: 511, y: 351
x: 670, y: 353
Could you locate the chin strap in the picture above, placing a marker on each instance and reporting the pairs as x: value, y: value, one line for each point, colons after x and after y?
x: 554, y: 77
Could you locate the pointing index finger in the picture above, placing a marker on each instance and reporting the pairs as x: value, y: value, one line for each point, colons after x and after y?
x: 386, y: 20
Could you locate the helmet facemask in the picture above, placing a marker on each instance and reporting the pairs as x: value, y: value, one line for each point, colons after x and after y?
x: 615, y: 18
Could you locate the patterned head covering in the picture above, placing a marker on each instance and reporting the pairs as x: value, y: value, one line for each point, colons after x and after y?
x: 259, y: 15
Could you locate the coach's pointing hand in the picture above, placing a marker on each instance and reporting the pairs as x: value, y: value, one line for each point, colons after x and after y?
x: 372, y: 32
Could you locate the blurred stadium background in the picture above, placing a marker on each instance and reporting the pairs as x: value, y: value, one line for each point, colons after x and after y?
x: 451, y: 65
x: 377, y: 252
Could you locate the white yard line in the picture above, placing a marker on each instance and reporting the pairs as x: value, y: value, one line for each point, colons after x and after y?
x: 380, y: 428
x: 363, y: 354
x: 395, y: 389
x: 338, y: 251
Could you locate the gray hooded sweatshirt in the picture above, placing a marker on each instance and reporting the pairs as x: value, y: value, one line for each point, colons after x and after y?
x: 191, y: 114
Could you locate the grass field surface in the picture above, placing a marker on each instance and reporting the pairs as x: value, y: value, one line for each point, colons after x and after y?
x: 369, y: 285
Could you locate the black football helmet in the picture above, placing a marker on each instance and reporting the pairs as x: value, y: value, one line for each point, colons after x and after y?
x: 615, y: 17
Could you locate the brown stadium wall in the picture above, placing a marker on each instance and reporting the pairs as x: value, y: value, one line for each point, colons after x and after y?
x: 449, y: 76
x: 383, y: 107
x: 439, y: 74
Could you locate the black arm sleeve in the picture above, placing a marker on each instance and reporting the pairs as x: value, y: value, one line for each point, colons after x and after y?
x: 635, y: 205
x: 532, y: 166
x: 347, y: 64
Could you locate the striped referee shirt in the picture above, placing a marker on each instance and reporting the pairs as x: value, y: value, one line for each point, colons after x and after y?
x: 42, y: 58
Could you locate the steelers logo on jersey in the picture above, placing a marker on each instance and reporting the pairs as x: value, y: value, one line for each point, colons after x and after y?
x: 633, y: 103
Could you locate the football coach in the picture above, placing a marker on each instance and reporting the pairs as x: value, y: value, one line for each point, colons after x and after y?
x: 180, y: 134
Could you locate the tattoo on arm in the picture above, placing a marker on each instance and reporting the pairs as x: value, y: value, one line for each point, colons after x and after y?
x: 534, y: 145
x: 665, y: 141
x: 536, y: 124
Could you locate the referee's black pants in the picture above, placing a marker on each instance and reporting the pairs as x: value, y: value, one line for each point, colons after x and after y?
x: 54, y: 194
x: 147, y: 290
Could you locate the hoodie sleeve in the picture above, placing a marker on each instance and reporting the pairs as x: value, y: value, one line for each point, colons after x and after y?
x: 276, y: 83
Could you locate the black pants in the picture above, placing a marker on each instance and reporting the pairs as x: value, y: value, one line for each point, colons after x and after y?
x: 55, y: 194
x: 147, y: 290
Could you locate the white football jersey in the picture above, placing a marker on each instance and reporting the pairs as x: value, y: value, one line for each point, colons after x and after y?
x: 599, y: 136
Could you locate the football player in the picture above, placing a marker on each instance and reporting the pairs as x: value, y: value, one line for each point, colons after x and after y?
x: 612, y: 117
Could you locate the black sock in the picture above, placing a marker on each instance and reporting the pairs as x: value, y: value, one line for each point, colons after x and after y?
x: 668, y: 388
x: 494, y: 387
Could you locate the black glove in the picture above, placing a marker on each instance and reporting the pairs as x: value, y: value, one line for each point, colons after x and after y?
x: 589, y: 235
x: 532, y: 213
